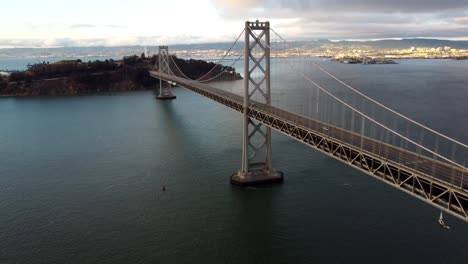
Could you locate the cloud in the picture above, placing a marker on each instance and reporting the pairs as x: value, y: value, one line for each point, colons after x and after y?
x: 115, y: 26
x: 82, y: 26
x: 108, y: 42
x: 341, y: 19
x: 91, y: 26
x: 237, y: 4
x: 71, y: 42
x: 461, y: 20
x: 402, y: 6
x: 377, y: 31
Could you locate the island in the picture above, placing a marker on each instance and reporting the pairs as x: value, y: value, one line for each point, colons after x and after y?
x: 363, y: 60
x: 75, y: 77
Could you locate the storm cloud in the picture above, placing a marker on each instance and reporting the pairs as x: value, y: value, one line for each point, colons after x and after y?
x: 404, y: 6
x: 354, y: 19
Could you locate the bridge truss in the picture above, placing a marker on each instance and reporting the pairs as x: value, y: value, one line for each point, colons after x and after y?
x: 442, y: 183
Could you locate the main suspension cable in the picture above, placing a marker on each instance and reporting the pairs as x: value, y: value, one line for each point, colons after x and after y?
x: 216, y: 64
x: 378, y: 103
x: 364, y: 115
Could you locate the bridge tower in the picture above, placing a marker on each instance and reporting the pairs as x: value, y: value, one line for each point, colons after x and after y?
x: 256, y: 139
x: 165, y: 91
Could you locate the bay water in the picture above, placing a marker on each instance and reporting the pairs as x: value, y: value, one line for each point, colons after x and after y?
x: 81, y: 181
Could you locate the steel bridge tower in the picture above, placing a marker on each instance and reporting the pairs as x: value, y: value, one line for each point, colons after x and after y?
x: 256, y: 138
x: 165, y: 90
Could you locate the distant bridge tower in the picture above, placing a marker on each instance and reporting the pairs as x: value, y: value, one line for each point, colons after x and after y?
x: 256, y: 140
x: 165, y: 91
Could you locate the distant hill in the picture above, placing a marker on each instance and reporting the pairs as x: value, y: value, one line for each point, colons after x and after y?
x: 109, y: 52
x: 407, y: 43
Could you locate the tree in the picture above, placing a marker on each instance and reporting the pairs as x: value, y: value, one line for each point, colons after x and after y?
x: 130, y: 60
x: 3, y: 82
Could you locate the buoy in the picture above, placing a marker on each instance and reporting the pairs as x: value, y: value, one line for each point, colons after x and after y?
x: 441, y: 221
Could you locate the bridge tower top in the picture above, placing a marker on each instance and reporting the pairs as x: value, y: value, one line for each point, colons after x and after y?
x: 257, y: 25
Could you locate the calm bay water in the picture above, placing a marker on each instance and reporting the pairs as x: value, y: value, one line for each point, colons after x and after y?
x: 81, y: 179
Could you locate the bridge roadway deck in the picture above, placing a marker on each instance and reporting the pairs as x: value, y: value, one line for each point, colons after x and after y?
x: 439, y: 184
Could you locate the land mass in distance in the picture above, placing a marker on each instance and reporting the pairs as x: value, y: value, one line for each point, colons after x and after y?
x: 393, y: 49
x: 73, y: 77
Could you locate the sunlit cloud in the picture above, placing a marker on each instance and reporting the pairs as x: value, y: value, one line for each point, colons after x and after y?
x: 82, y: 26
x: 143, y: 22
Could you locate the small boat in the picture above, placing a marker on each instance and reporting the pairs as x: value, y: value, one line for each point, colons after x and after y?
x: 441, y: 221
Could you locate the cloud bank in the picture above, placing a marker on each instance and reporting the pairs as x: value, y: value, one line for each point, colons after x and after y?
x: 294, y: 19
x: 355, y: 19
x: 107, y: 42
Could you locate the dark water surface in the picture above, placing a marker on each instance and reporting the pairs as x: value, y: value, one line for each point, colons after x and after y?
x: 81, y: 179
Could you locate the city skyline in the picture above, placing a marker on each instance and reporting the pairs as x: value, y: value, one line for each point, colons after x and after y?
x: 53, y: 23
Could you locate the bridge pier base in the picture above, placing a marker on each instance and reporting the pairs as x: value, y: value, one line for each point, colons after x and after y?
x: 255, y: 178
x: 166, y: 97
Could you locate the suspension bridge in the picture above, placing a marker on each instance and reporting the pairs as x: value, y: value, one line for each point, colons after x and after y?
x: 352, y: 128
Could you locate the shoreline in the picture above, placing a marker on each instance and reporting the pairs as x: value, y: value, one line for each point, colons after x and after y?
x: 462, y: 58
x: 75, y: 77
x: 104, y: 93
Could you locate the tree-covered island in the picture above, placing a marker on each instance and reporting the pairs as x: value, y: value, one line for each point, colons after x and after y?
x: 73, y: 77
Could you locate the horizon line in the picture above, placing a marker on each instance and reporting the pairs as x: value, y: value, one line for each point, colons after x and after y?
x: 457, y: 39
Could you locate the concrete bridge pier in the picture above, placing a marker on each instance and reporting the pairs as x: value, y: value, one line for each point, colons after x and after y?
x: 256, y: 140
x: 256, y: 176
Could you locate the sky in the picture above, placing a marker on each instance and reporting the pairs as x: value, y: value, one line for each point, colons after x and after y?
x: 56, y: 23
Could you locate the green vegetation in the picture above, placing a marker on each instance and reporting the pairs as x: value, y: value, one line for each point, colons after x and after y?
x: 76, y: 69
x: 195, y: 69
x: 78, y: 77
x: 3, y: 83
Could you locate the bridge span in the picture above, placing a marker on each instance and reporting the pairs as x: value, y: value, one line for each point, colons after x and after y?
x: 433, y: 184
x: 422, y: 172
